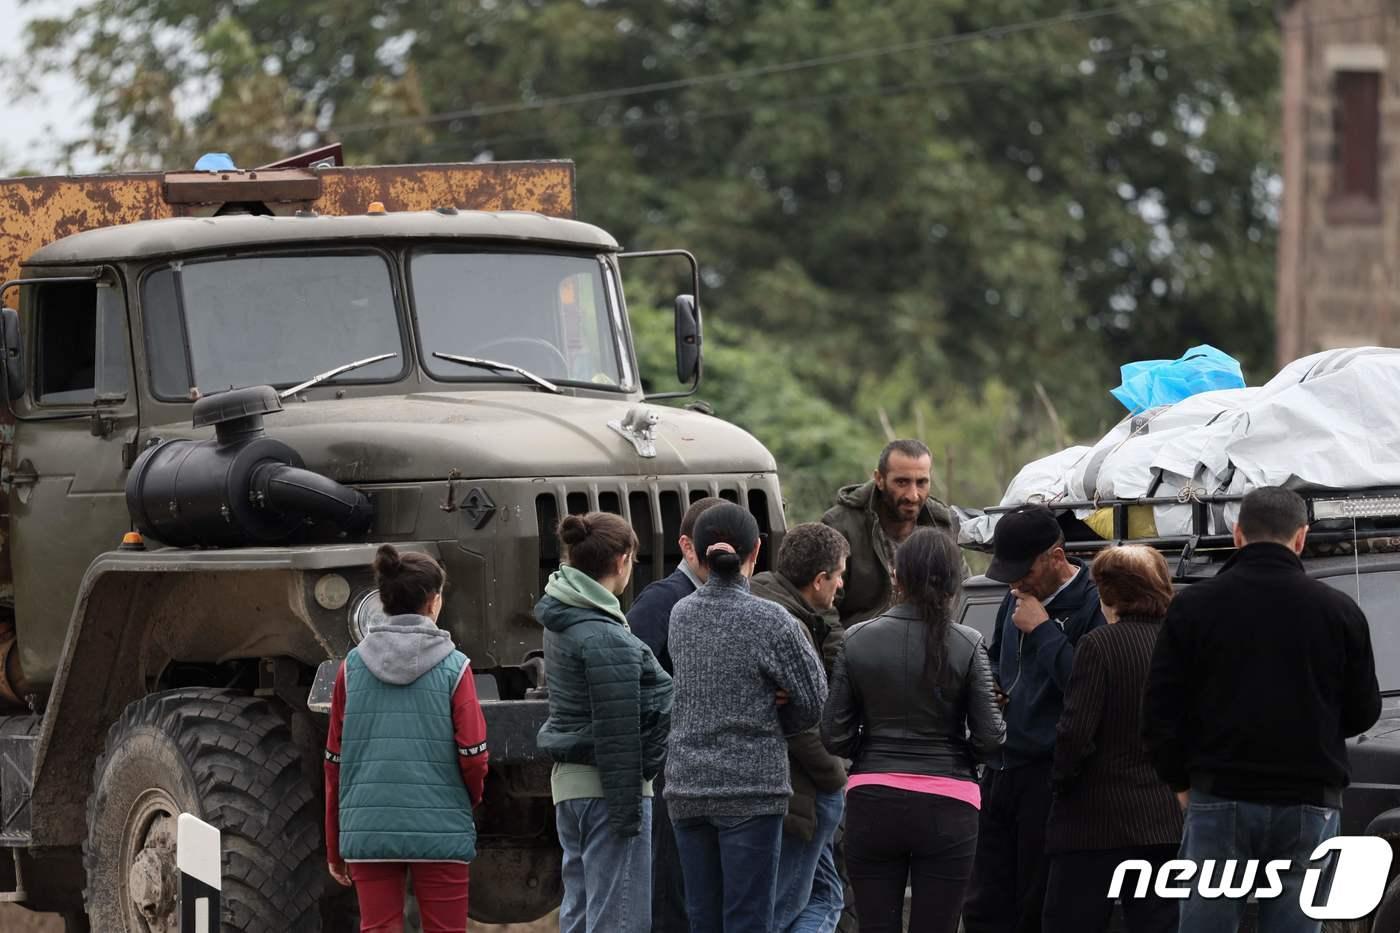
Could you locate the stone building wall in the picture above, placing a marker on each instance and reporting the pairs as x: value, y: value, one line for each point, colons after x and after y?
x: 1339, y: 258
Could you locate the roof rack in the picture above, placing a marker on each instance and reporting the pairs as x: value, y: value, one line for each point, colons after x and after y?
x: 1379, y: 507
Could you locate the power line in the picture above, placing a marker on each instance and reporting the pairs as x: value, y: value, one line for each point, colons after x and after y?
x: 888, y: 91
x: 883, y: 91
x: 810, y: 100
x: 935, y: 43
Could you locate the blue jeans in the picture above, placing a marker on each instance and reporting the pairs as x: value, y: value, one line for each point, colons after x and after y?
x: 731, y: 871
x: 1218, y: 828
x: 810, y: 895
x: 607, y: 877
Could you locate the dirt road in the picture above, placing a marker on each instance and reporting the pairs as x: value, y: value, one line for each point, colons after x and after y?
x: 18, y: 920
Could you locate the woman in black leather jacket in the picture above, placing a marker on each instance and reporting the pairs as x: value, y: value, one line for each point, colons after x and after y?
x: 911, y: 702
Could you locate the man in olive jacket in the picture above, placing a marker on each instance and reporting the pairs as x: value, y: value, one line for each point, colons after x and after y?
x: 876, y: 517
x: 810, y: 566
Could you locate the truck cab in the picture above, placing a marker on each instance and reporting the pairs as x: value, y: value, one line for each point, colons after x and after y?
x: 457, y: 379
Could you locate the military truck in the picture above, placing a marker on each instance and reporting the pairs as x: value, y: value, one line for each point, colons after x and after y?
x: 224, y: 390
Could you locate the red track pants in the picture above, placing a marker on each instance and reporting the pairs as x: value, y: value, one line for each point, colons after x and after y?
x: 440, y: 887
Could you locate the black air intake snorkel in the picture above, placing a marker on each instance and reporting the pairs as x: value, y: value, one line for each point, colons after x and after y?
x: 241, y: 488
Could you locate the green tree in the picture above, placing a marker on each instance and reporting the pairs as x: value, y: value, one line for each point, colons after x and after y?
x: 920, y: 207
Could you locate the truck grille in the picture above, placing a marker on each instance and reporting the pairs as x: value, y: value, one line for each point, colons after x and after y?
x: 653, y: 508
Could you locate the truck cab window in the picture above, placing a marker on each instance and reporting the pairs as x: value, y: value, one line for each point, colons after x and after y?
x: 268, y: 320
x: 546, y: 313
x: 1377, y: 594
x: 981, y: 614
x: 82, y: 349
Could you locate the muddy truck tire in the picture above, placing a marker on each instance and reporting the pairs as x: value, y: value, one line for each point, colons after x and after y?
x: 228, y: 759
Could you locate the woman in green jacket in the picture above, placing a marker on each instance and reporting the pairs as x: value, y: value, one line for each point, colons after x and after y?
x: 609, y: 715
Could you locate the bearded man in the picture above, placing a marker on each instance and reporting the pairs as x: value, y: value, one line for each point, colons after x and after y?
x: 876, y: 517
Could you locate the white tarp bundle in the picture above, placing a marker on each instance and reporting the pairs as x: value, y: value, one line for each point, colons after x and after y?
x: 1042, y: 480
x: 1330, y: 420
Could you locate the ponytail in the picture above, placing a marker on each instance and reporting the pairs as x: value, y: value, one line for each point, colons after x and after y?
x: 928, y: 569
x: 593, y: 543
x: 406, y: 579
x: 726, y: 536
x: 722, y: 559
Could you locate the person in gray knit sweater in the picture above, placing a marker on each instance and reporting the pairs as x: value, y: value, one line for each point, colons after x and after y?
x: 746, y: 677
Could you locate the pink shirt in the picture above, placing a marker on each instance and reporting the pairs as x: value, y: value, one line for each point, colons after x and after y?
x: 966, y: 791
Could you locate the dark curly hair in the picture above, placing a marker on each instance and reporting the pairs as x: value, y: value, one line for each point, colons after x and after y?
x: 811, y: 549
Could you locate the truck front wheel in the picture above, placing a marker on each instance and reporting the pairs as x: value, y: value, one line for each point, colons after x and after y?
x: 228, y: 759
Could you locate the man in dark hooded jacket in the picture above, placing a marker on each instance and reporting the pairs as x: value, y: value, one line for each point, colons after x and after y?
x: 876, y: 517
x: 810, y: 566
x: 1052, y: 603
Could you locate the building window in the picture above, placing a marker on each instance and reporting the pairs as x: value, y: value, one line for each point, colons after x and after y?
x: 1356, y: 161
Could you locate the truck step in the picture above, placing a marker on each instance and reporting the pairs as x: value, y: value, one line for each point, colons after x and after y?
x: 12, y: 876
x: 19, y: 738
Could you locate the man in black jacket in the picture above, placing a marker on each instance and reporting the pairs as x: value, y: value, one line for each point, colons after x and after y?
x: 650, y: 620
x: 1258, y: 678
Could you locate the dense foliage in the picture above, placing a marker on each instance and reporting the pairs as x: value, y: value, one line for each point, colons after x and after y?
x: 945, y: 217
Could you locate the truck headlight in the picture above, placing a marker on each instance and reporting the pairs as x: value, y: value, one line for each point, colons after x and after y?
x: 365, y: 610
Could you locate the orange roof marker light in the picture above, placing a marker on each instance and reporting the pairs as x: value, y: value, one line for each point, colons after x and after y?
x: 376, y: 207
x: 132, y: 541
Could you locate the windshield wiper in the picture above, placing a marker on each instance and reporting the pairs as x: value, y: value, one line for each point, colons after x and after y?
x: 500, y: 368
x: 332, y: 373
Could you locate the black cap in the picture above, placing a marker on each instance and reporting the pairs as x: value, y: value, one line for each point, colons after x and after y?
x: 1020, y: 537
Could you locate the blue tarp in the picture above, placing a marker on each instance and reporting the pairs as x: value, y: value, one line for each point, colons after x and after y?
x: 1150, y: 383
x: 215, y: 162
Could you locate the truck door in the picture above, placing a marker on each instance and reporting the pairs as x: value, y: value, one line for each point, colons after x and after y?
x: 67, y: 475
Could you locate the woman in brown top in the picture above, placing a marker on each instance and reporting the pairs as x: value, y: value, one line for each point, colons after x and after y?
x: 1109, y: 803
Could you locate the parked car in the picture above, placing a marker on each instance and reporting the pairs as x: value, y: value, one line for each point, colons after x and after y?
x: 1362, y: 561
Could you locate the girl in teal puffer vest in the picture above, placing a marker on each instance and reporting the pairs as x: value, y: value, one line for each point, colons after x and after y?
x: 406, y: 757
x: 609, y: 716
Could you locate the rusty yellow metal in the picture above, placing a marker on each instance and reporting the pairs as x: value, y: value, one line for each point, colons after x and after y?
x: 37, y: 211
x: 544, y: 187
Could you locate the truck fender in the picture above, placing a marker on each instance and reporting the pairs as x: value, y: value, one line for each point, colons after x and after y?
x: 1386, y: 824
x: 135, y: 607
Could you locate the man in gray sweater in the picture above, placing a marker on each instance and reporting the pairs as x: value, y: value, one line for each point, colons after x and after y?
x: 746, y: 677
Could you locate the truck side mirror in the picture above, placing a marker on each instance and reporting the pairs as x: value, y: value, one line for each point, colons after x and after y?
x: 689, y: 365
x: 13, y: 350
x: 688, y: 339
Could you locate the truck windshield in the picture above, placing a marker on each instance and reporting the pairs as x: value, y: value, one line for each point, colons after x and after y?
x: 269, y: 320
x: 548, y: 314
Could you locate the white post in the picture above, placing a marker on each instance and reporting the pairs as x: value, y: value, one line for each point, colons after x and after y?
x: 198, y: 856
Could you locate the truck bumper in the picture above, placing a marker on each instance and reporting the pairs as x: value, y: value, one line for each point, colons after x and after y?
x: 511, y: 728
x: 511, y: 725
